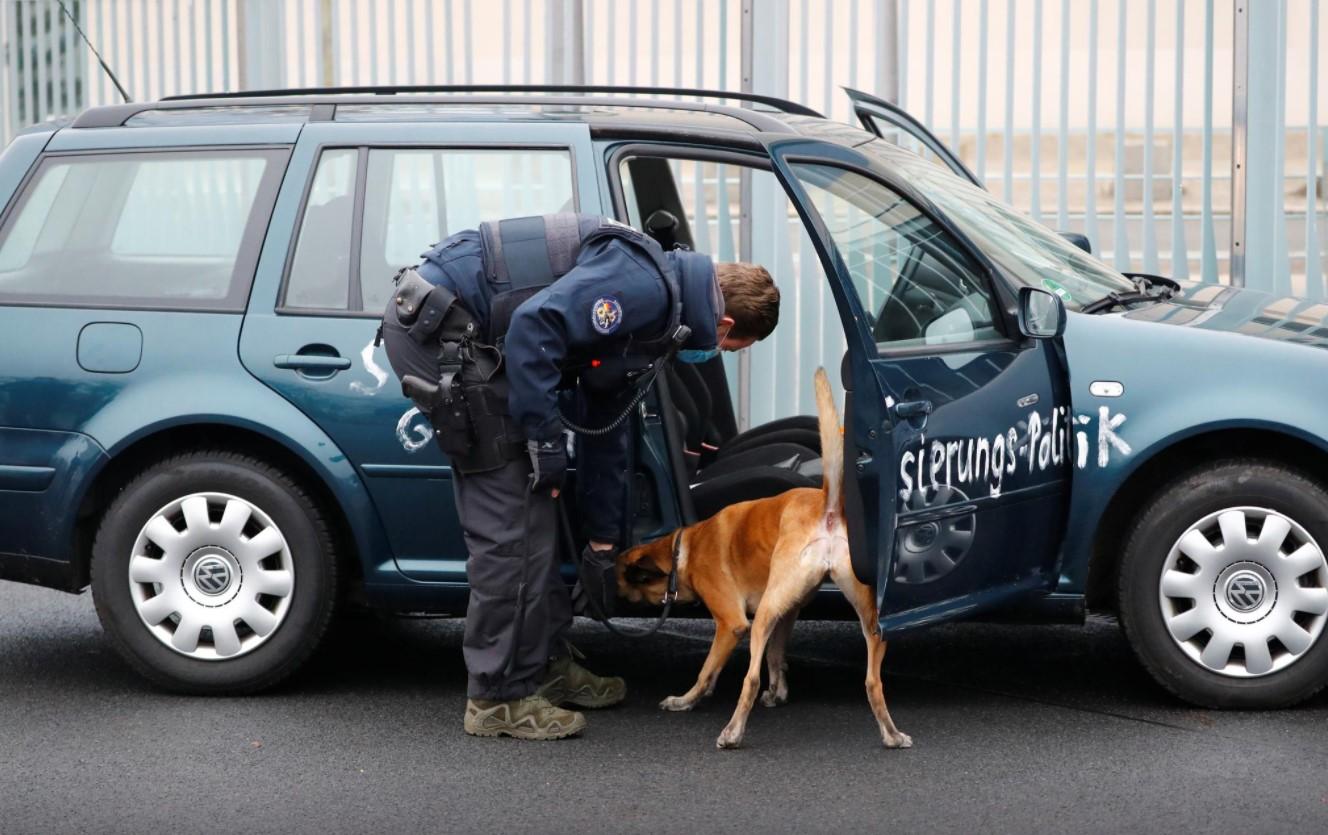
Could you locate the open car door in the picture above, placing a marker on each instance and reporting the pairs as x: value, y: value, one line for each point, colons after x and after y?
x: 899, y: 128
x: 957, y: 435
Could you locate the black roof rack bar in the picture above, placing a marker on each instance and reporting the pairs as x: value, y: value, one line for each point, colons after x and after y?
x: 115, y: 115
x: 782, y: 105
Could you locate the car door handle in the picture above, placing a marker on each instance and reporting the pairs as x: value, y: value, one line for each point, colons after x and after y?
x: 913, y: 409
x: 311, y: 362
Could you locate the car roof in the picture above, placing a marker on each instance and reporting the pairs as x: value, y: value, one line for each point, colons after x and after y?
x: 607, y: 110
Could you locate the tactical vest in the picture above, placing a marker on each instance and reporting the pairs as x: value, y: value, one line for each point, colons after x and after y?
x: 454, y: 373
x: 526, y: 254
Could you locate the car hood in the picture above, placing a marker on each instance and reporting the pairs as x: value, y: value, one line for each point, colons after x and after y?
x: 1241, y: 310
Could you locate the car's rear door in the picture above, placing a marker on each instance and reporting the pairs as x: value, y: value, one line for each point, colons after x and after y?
x: 375, y: 197
x: 957, y: 439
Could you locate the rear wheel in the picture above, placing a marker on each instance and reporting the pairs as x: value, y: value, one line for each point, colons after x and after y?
x: 1224, y: 586
x: 214, y: 573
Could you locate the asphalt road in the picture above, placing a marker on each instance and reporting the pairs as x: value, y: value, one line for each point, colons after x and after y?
x: 1015, y: 728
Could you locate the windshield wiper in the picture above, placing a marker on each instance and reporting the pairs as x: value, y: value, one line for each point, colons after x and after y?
x: 1143, y: 293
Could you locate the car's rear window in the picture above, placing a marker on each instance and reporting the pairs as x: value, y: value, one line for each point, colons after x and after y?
x: 176, y: 229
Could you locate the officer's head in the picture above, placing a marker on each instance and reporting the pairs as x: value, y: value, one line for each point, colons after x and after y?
x: 751, y: 304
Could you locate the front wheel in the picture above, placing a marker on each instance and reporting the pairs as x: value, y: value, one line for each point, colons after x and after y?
x: 1224, y: 586
x: 214, y: 573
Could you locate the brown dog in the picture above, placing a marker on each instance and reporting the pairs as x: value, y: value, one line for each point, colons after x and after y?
x: 766, y: 556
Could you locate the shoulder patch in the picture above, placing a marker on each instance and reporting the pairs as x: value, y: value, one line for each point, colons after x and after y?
x: 606, y: 314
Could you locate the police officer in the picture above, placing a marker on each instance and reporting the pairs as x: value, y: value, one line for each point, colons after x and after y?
x: 488, y: 334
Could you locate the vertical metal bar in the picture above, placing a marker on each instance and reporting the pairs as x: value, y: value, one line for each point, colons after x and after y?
x: 39, y: 51
x: 410, y: 40
x: 1313, y: 268
x: 1281, y: 252
x: 654, y: 41
x: 982, y: 91
x: 1207, y: 236
x: 701, y: 45
x: 159, y: 46
x: 829, y: 65
x: 301, y: 53
x: 1090, y: 160
x: 525, y: 42
x: 71, y: 77
x: 632, y: 51
x: 1035, y: 155
x: 373, y: 43
x: 507, y: 41
x: 956, y: 70
x: 207, y: 44
x: 677, y: 43
x: 225, y: 45
x: 1239, y: 138
x: 929, y: 112
x: 1063, y: 126
x: 748, y: 60
x: 1007, y: 176
x: 449, y: 36
x: 22, y: 67
x: 898, y: 10
x: 1120, y: 245
x: 804, y: 58
x: 587, y: 53
x: 180, y: 54
x: 1180, y: 266
x: 1150, y: 65
x: 96, y: 89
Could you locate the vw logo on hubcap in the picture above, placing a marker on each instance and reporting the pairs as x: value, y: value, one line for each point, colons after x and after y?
x: 212, y: 575
x: 1245, y: 591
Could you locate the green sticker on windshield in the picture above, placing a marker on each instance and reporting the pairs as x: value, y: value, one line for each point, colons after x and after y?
x: 1055, y: 287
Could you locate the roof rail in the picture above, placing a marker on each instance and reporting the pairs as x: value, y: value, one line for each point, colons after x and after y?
x: 781, y: 105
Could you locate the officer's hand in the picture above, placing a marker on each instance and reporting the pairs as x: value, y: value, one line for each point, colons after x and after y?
x: 548, y: 460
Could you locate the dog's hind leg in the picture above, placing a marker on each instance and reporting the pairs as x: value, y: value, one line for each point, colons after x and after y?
x: 863, y: 599
x: 776, y: 692
x: 730, y: 627
x: 798, y: 580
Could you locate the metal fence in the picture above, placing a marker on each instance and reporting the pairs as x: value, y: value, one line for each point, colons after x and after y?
x: 1182, y: 136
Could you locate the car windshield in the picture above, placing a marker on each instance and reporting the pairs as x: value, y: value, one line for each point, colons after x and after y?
x: 1025, y: 250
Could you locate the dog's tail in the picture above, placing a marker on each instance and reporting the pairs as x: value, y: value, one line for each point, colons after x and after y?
x: 832, y: 444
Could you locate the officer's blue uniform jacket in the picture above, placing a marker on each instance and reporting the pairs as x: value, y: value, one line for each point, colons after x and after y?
x: 613, y: 294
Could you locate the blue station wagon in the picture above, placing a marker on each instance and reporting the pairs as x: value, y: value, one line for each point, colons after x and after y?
x: 195, y: 421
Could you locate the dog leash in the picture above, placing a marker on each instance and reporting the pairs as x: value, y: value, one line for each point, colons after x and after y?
x: 670, y: 595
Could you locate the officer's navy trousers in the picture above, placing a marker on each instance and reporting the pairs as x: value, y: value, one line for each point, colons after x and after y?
x: 519, y: 607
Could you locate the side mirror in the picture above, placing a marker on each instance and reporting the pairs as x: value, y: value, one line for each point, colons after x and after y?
x: 1079, y: 240
x: 1041, y: 314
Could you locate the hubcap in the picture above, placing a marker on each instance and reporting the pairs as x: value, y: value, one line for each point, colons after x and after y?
x: 211, y: 576
x: 1244, y: 591
x: 931, y: 550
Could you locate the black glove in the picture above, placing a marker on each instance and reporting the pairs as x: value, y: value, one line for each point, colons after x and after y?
x: 548, y: 459
x: 596, y: 591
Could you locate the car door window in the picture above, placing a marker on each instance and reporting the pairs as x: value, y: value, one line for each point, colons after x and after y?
x: 416, y: 197
x: 177, y: 229
x: 918, y: 285
x: 412, y: 198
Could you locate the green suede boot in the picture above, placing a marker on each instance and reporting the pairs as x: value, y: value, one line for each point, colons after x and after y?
x: 530, y: 718
x: 567, y: 682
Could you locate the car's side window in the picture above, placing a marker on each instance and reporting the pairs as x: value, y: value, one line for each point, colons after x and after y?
x: 918, y: 285
x: 320, y: 268
x: 177, y: 229
x: 412, y: 198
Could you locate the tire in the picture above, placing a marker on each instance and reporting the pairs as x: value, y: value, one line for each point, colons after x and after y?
x: 1236, y: 581
x: 213, y: 538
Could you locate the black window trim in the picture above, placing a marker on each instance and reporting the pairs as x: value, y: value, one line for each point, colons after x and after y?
x: 986, y: 273
x: 246, y: 257
x: 354, y: 293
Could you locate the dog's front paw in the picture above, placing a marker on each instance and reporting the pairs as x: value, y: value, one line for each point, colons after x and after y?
x: 730, y: 738
x: 774, y: 698
x: 897, y: 740
x: 676, y: 703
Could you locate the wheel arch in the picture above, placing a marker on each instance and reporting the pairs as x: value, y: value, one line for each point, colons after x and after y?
x: 132, y: 457
x: 1170, y: 461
